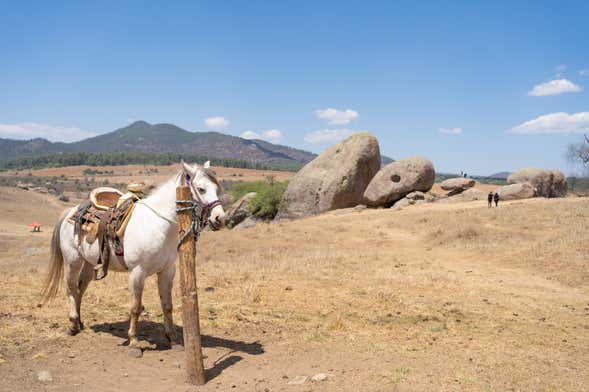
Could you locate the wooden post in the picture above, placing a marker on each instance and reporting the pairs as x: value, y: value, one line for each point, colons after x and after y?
x: 186, y: 253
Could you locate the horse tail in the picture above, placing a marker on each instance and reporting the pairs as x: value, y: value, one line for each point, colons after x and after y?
x: 55, y: 273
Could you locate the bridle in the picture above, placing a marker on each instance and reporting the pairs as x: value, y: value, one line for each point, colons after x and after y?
x: 200, y: 213
x: 204, y: 210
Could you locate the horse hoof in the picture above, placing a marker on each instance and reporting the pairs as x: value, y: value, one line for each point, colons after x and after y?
x: 72, y: 331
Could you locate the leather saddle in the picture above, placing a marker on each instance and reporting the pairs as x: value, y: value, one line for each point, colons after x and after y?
x: 104, y: 217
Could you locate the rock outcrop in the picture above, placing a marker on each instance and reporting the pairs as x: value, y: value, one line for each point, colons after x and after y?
x: 398, y: 179
x: 522, y: 190
x: 335, y: 179
x: 457, y: 184
x: 547, y: 183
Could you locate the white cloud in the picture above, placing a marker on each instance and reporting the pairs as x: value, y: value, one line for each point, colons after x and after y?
x: 216, y: 122
x: 334, y: 116
x: 450, y: 131
x: 555, y: 123
x: 328, y: 135
x: 554, y: 87
x: 49, y: 132
x: 272, y: 135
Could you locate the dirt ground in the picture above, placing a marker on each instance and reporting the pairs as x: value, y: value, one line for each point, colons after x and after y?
x: 434, y: 297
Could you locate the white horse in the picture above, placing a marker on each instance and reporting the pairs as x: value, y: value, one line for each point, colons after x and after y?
x: 150, y: 247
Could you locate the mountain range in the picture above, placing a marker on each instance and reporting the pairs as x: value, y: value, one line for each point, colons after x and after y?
x: 141, y: 136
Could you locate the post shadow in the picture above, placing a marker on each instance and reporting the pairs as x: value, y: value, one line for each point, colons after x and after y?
x: 153, y: 333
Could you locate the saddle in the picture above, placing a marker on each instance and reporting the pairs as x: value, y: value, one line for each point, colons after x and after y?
x: 104, y: 217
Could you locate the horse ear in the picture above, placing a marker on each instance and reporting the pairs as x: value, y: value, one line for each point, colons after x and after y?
x: 187, y: 168
x: 207, y: 164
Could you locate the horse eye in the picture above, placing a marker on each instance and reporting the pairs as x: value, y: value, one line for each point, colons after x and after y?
x: 202, y: 191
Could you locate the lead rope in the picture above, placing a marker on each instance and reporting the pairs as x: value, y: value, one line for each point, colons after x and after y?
x: 195, y: 224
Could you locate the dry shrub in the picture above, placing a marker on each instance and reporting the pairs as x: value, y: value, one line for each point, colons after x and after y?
x: 337, y: 325
x: 252, y: 293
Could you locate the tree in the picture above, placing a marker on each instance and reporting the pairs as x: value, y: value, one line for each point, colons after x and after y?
x: 578, y: 153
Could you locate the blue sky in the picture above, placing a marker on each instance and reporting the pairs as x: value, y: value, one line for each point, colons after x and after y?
x: 475, y: 86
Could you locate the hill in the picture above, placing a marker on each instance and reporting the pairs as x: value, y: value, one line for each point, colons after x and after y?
x: 143, y: 137
x: 499, y: 176
x: 148, y: 142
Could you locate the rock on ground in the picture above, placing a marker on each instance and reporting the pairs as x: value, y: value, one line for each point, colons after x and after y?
x: 547, y: 183
x: 248, y: 222
x: 404, y: 202
x: 298, y: 380
x: 473, y: 194
x: 523, y: 190
x: 44, y: 376
x: 335, y: 179
x: 319, y: 377
x: 459, y: 183
x: 398, y: 179
x: 417, y: 195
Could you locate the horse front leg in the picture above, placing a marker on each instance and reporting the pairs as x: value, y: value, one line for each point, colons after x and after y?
x: 136, y: 283
x: 165, y: 282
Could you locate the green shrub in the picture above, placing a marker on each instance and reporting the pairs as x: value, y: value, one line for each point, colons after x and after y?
x: 267, y: 200
x: 241, y: 188
x: 266, y: 203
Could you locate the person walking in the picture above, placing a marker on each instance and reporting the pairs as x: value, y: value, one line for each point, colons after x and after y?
x: 490, y: 199
x: 496, y: 198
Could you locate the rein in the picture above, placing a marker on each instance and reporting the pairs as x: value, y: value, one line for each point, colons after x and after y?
x: 198, y: 221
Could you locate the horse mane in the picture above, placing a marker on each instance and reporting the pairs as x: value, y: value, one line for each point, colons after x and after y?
x: 209, y: 173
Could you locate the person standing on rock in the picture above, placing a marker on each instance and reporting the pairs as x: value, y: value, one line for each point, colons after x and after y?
x: 490, y: 199
x: 496, y: 198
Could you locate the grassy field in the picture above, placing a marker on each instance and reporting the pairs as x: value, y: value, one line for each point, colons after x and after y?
x: 432, y: 297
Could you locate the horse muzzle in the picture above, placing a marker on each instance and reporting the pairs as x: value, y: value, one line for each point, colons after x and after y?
x: 217, y: 217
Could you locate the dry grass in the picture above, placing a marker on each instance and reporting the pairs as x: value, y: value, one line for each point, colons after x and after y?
x: 152, y: 173
x: 446, y: 296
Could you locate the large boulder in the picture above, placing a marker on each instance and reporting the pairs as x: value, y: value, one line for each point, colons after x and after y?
x: 457, y: 184
x: 335, y: 179
x: 398, y: 179
x: 522, y: 190
x: 547, y: 183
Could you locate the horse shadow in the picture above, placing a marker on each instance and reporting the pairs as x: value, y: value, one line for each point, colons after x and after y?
x: 152, y: 332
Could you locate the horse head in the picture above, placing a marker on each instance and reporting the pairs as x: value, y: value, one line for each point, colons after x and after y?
x: 205, y: 189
